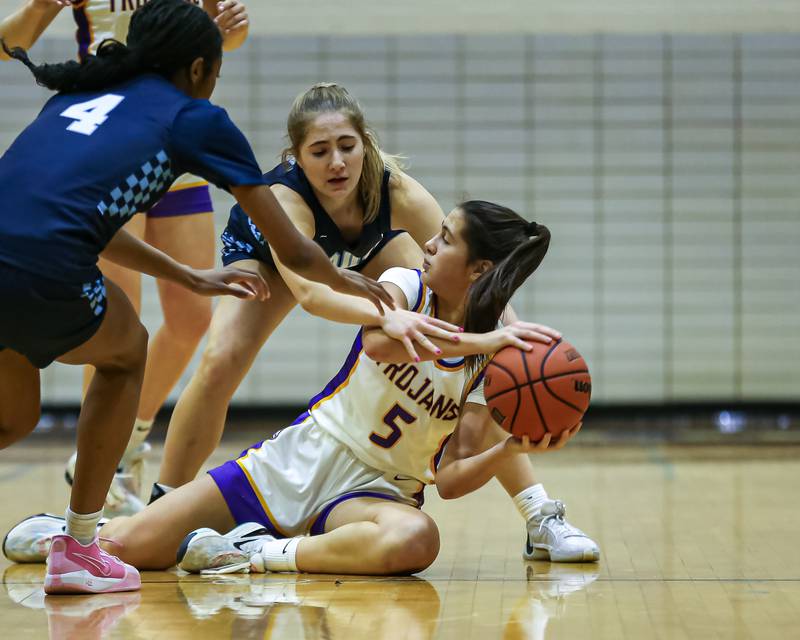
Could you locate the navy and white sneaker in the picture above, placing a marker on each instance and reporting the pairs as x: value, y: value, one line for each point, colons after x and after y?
x: 551, y: 537
x: 208, y: 551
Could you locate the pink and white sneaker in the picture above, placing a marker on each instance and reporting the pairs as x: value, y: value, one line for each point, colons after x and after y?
x: 76, y: 568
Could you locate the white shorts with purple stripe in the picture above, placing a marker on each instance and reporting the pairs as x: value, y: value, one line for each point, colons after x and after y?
x: 291, y: 482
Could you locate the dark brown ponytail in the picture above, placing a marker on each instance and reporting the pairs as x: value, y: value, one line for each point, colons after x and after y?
x: 515, y: 246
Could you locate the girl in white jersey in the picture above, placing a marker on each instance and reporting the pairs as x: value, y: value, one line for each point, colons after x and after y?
x: 181, y: 224
x: 350, y: 471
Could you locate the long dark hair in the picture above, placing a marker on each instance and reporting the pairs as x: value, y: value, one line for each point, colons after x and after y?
x: 164, y: 37
x: 515, y: 246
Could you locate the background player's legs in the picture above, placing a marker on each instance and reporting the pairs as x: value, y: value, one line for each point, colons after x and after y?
x: 238, y: 330
x: 371, y: 536
x: 129, y: 281
x: 117, y: 351
x: 150, y: 539
x: 19, y: 397
x: 190, y: 240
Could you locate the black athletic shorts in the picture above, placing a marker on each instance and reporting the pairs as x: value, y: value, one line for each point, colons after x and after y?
x: 43, y: 318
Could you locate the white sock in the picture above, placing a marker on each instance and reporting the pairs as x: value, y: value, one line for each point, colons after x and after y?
x: 529, y: 500
x: 279, y: 555
x: 82, y: 526
x: 141, y: 429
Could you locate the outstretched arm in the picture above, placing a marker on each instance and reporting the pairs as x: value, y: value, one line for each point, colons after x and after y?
x: 128, y: 251
x: 23, y: 27
x: 321, y: 301
x: 299, y: 253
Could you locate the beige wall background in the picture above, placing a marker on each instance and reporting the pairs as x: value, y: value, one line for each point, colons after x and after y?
x: 506, y: 16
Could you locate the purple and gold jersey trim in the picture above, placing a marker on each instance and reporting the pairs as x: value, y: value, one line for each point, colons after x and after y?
x: 341, y: 379
x: 183, y: 201
x: 438, y: 455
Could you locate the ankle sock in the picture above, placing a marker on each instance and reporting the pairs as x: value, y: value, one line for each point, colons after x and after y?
x: 82, y: 526
x: 529, y: 501
x: 141, y: 429
x: 280, y: 555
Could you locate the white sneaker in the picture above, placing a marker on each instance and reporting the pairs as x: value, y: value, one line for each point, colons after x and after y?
x: 123, y: 495
x: 551, y: 537
x: 208, y: 551
x: 29, y: 540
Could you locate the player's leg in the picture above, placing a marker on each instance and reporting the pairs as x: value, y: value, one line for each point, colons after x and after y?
x: 123, y: 495
x: 129, y: 281
x: 189, y: 239
x: 19, y: 397
x: 238, y: 330
x: 549, y: 535
x: 151, y: 538
x: 117, y: 351
x: 371, y: 536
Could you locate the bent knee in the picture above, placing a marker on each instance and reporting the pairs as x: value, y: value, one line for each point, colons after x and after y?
x: 412, y: 546
x: 131, y: 351
x: 222, y: 365
x: 15, y: 427
x: 187, y: 318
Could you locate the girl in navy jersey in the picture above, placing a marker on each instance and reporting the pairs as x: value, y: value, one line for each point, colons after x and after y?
x: 122, y: 127
x: 181, y: 224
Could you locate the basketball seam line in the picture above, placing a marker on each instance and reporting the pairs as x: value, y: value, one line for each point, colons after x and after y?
x: 533, y: 391
x: 532, y: 382
x: 544, y: 380
x: 519, y: 398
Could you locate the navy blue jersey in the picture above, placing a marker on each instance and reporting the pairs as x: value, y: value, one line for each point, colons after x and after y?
x: 90, y: 161
x: 242, y: 231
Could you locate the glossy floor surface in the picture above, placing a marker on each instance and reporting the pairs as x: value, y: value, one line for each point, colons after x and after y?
x: 697, y: 542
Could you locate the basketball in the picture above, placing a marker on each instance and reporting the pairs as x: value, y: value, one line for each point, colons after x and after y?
x: 531, y: 393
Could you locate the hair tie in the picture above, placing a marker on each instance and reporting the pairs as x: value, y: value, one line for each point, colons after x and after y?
x: 531, y: 229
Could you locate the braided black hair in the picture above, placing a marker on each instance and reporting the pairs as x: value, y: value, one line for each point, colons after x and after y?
x: 164, y: 37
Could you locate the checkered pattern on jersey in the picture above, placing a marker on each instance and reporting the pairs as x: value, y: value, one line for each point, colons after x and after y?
x: 95, y: 293
x: 137, y: 190
x: 232, y: 245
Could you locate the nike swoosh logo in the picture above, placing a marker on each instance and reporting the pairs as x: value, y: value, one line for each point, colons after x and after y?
x: 401, y: 478
x: 101, y: 565
x: 528, y: 546
x: 286, y: 546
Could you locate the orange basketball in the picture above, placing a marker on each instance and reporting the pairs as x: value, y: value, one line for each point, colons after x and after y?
x: 546, y: 390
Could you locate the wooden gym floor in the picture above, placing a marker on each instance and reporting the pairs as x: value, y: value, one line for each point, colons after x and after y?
x: 697, y: 542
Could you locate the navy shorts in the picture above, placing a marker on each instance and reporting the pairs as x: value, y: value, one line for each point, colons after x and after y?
x: 43, y: 319
x: 241, y: 240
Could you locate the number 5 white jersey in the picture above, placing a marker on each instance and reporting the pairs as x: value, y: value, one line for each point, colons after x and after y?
x: 395, y: 417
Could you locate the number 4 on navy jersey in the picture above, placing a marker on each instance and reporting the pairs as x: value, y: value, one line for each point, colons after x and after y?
x: 90, y: 115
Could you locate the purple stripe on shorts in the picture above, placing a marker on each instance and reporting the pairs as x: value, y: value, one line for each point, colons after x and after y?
x: 83, y: 34
x: 183, y: 202
x: 242, y: 501
x: 318, y: 527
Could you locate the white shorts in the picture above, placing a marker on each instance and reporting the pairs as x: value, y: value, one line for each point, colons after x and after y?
x: 291, y: 482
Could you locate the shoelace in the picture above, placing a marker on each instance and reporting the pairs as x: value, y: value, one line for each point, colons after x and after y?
x: 558, y: 521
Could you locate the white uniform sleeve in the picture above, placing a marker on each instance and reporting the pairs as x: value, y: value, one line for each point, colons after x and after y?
x: 408, y: 280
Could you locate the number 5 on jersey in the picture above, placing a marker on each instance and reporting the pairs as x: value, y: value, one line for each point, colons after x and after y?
x: 91, y: 114
x: 390, y: 419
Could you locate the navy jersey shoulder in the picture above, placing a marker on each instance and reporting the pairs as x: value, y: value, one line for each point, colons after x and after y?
x: 326, y: 233
x: 91, y: 160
